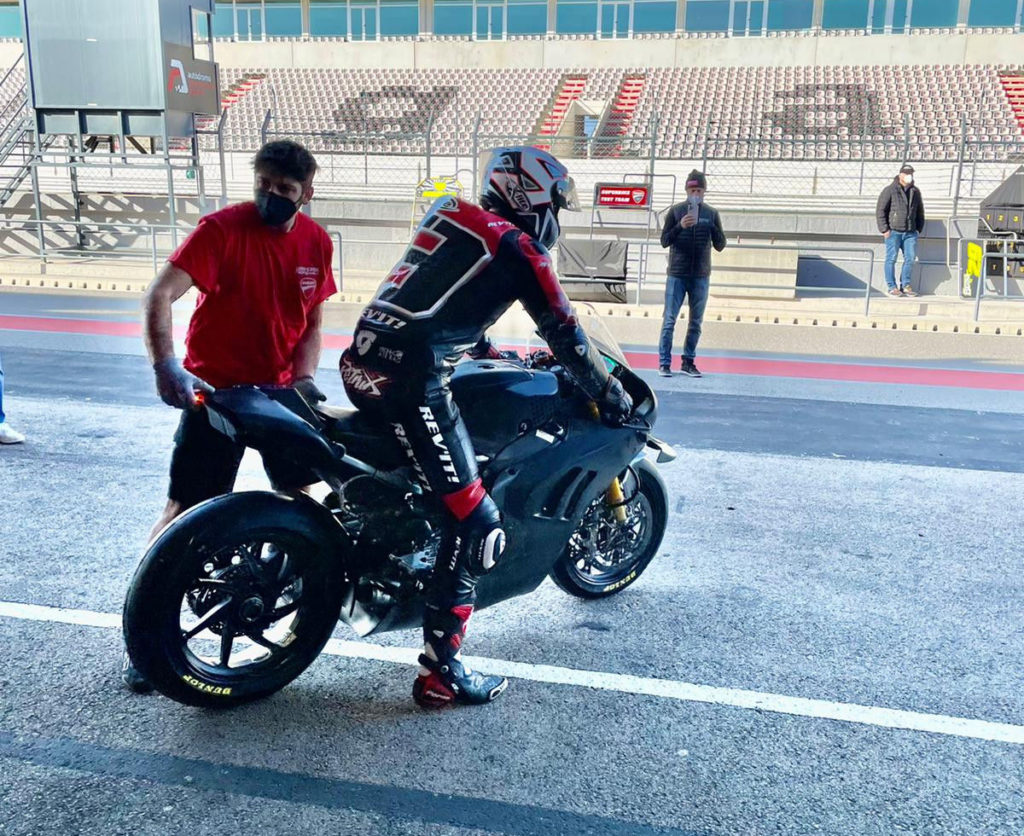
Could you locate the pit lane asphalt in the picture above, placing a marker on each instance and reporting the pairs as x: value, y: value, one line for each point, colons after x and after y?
x: 862, y: 550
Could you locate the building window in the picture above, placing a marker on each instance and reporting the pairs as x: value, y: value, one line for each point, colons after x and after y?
x: 845, y: 14
x: 707, y: 15
x: 490, y: 21
x: 748, y: 18
x: 616, y: 18
x: 283, y: 18
x: 399, y: 18
x: 994, y: 13
x: 654, y: 16
x: 788, y: 15
x: 224, y: 21
x: 890, y: 16
x: 328, y: 19
x: 453, y: 17
x: 249, y: 21
x: 932, y: 13
x: 527, y: 17
x: 10, y: 21
x: 576, y: 17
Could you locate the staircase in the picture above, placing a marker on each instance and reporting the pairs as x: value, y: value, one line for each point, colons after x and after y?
x: 1013, y: 86
x: 619, y: 117
x: 234, y: 93
x: 17, y: 135
x: 569, y: 90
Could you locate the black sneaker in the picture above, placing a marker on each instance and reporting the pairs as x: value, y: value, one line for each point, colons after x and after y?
x: 132, y: 678
x: 664, y: 371
x: 689, y: 369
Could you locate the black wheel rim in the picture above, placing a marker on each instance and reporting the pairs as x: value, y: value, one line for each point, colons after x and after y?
x: 246, y: 609
x: 603, y: 551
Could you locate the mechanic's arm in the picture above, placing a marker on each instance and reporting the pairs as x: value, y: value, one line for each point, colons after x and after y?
x: 306, y: 356
x: 307, y: 350
x: 176, y: 385
x: 170, y: 285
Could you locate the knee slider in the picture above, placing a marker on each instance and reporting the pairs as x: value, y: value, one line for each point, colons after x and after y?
x: 484, y: 537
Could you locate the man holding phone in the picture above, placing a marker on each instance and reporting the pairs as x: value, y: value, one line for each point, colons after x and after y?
x: 691, y: 229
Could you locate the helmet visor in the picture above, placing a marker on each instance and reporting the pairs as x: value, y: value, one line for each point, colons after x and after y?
x: 564, y: 194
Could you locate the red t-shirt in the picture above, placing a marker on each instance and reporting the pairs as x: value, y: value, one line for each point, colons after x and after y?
x: 258, y: 286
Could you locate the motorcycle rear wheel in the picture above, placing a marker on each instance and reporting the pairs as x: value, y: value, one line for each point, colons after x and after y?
x: 604, y: 556
x: 232, y: 602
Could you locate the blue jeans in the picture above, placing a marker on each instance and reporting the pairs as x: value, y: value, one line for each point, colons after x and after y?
x: 695, y: 289
x: 906, y: 241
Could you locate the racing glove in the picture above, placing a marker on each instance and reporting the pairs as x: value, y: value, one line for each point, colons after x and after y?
x: 308, y: 389
x: 177, y: 386
x: 615, y: 403
x: 486, y: 350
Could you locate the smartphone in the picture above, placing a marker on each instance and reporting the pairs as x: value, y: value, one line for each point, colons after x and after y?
x: 692, y: 207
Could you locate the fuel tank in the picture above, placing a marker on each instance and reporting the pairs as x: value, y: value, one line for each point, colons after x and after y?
x: 501, y: 401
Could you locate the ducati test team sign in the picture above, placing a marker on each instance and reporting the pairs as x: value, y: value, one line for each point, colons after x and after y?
x: 622, y: 196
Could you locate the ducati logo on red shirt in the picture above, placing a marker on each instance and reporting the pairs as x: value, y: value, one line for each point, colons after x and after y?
x: 307, y: 279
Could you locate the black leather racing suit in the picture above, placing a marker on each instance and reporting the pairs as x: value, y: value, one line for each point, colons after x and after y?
x: 464, y: 268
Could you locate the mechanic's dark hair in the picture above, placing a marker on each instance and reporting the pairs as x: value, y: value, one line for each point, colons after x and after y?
x: 286, y: 158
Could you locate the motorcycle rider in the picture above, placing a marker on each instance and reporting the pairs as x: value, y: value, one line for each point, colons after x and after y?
x: 465, y: 266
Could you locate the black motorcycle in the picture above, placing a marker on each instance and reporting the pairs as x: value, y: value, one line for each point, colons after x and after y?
x: 239, y: 595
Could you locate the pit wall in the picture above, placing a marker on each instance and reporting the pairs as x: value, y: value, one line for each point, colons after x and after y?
x: 376, y: 233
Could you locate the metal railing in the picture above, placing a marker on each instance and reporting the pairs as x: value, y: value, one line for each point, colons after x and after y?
x: 152, y: 242
x: 1006, y: 249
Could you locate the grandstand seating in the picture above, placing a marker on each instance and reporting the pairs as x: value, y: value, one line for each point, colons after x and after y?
x: 729, y: 112
x: 761, y: 112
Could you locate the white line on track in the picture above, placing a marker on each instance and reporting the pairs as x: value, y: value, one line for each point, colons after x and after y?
x: 620, y: 683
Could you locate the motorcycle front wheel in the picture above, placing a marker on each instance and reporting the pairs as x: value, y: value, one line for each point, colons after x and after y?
x: 232, y: 601
x: 604, y: 556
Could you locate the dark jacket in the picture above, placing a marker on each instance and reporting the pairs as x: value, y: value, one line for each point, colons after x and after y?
x: 691, y: 248
x: 899, y: 210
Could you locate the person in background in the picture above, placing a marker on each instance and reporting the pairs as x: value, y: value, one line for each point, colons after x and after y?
x: 900, y: 216
x: 263, y: 270
x: 8, y: 435
x: 691, y: 229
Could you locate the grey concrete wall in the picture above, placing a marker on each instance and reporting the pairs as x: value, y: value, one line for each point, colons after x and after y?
x: 375, y: 235
x: 792, y: 50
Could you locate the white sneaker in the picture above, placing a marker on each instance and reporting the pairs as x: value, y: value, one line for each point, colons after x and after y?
x: 9, y: 436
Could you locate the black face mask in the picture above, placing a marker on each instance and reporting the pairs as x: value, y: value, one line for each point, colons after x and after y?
x: 274, y: 209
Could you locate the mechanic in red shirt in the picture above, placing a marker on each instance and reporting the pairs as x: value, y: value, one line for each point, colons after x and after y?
x: 263, y: 270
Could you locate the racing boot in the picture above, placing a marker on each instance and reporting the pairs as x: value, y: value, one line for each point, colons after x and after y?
x: 443, y: 678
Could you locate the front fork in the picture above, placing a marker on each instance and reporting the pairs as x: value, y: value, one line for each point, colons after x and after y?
x: 614, y: 497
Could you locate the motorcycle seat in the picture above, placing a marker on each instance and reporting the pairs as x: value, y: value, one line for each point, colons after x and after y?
x: 364, y: 438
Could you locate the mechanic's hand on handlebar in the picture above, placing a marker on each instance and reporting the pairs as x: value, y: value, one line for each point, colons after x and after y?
x: 308, y: 389
x: 177, y: 386
x: 615, y: 403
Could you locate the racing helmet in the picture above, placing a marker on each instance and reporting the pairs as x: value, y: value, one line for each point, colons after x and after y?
x: 528, y: 186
